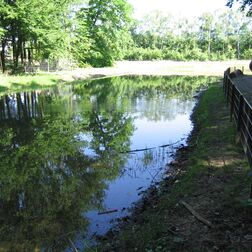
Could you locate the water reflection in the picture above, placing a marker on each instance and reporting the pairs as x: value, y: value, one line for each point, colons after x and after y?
x: 65, y: 152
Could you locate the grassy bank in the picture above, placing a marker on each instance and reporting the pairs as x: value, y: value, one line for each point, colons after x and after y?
x: 211, y: 175
x: 161, y: 68
x: 23, y: 82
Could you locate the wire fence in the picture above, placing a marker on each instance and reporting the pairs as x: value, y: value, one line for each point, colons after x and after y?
x: 48, y: 65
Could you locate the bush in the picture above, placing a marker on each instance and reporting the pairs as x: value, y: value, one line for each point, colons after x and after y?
x: 133, y: 54
x: 137, y: 53
x: 196, y: 54
x: 230, y: 53
x: 152, y: 54
x: 247, y: 54
x: 143, y: 54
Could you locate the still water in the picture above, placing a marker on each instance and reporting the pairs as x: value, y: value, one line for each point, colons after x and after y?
x: 75, y: 158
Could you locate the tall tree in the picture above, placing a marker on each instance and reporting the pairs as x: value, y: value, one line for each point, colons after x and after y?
x: 106, y: 23
x: 33, y: 28
x: 206, y: 29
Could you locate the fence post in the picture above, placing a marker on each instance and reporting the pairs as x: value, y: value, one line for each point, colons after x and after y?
x: 250, y: 194
x: 225, y: 83
x: 232, y: 102
x: 228, y: 87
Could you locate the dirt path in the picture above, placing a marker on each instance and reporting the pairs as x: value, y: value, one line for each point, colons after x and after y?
x: 164, y: 67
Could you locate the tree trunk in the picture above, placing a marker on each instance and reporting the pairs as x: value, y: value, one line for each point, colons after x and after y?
x: 30, y: 55
x: 19, y: 50
x: 7, y: 102
x: 14, y: 52
x: 19, y: 106
x: 3, y: 56
x: 2, y: 109
x: 24, y: 52
x: 209, y: 44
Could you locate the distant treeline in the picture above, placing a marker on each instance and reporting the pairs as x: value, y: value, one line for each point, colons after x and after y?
x: 219, y: 36
x: 97, y: 33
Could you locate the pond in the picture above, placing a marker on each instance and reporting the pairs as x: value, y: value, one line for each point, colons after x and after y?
x: 75, y: 158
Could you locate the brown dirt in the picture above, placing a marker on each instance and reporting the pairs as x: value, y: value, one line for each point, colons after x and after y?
x: 231, y: 225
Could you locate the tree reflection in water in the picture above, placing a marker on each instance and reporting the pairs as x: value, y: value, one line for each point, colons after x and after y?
x: 48, y: 179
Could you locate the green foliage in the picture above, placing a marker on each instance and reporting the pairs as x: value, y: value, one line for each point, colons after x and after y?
x: 99, y: 32
x: 168, y: 54
x: 245, y: 5
x: 2, y: 31
x: 35, y: 29
x: 103, y: 29
x: 247, y: 54
x: 47, y: 180
x: 136, y: 53
x: 209, y: 37
x: 81, y: 44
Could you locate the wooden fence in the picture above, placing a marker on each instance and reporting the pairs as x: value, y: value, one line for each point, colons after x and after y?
x: 241, y: 112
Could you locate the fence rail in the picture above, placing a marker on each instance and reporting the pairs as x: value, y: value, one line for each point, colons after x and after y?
x: 241, y: 112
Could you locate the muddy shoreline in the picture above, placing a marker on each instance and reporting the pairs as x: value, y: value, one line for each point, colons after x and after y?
x: 150, y: 198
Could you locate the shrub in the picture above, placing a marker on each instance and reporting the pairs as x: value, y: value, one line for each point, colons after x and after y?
x: 137, y: 53
x: 247, y: 54
x: 143, y: 54
x: 169, y: 54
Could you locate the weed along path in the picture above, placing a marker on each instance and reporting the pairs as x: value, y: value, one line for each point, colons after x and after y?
x: 203, y: 205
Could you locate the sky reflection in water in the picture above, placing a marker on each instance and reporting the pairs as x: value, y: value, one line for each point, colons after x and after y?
x: 65, y: 154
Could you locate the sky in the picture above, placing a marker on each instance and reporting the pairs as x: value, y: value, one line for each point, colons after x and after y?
x: 186, y: 8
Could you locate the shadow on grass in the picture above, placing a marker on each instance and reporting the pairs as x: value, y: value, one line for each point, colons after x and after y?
x: 3, y: 89
x: 32, y: 85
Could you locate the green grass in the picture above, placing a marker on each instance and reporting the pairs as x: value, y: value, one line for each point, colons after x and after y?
x: 213, y: 155
x: 24, y: 82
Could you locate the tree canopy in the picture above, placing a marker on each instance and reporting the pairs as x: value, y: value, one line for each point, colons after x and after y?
x: 32, y: 30
x: 99, y: 32
x: 218, y: 36
x: 245, y: 5
x: 103, y: 25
